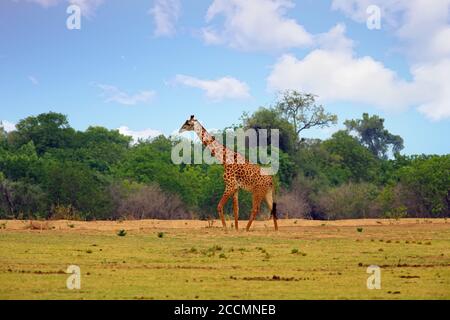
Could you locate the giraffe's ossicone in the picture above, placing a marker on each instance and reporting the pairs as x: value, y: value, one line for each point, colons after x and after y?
x: 238, y: 174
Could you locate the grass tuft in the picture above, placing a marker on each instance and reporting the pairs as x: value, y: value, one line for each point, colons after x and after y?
x: 121, y: 233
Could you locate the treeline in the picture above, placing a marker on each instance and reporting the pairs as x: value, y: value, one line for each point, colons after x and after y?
x: 50, y: 170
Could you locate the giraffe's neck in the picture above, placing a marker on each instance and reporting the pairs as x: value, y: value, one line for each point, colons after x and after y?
x: 218, y: 150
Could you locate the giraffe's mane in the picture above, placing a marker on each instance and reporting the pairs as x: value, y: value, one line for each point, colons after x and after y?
x: 208, y: 140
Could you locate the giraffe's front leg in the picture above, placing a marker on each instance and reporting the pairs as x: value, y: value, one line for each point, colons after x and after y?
x: 236, y: 209
x: 225, y: 197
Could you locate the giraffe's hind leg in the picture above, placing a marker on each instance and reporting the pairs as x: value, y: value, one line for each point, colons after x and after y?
x: 236, y: 209
x: 255, y: 210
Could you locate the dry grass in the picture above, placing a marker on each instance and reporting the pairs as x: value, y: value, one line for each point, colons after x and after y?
x: 304, y: 260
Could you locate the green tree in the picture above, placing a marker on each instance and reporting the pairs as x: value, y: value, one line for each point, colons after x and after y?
x: 47, y: 131
x: 355, y: 160
x: 428, y: 180
x: 3, y: 136
x: 267, y: 118
x: 97, y: 147
x: 76, y: 185
x: 302, y: 111
x: 373, y: 135
x: 19, y: 199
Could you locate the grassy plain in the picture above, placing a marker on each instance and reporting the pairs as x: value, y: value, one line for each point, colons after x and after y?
x: 194, y: 260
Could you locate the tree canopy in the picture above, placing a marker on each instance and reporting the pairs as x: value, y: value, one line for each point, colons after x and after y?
x: 372, y: 134
x: 50, y: 170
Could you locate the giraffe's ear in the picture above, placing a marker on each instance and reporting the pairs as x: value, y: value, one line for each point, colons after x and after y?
x: 192, y: 117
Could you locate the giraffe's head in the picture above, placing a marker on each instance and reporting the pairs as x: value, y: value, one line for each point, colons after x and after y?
x: 188, y: 125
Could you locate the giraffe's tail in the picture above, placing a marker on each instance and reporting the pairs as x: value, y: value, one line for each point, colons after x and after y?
x: 273, y: 213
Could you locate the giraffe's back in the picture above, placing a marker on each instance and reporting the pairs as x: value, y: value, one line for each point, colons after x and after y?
x: 248, y: 177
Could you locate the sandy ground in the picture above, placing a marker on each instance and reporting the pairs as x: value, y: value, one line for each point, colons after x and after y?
x: 196, y: 224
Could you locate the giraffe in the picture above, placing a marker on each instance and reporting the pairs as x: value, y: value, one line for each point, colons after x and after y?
x: 239, y: 173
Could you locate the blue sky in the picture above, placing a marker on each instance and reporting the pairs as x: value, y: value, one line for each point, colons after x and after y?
x: 146, y: 66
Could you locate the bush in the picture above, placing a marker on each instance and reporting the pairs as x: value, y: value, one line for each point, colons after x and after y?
x: 21, y: 200
x: 61, y: 212
x: 427, y: 184
x: 349, y: 201
x: 293, y: 204
x: 139, y: 201
x: 121, y: 233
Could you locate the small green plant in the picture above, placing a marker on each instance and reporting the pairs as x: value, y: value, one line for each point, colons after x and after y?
x: 71, y: 225
x: 359, y: 229
x: 397, y: 213
x: 222, y: 256
x: 121, y: 233
x: 294, y: 251
x: 193, y: 250
x: 3, y: 225
x: 160, y: 234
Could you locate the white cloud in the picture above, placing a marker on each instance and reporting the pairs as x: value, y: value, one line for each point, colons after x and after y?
x: 423, y: 30
x: 342, y: 77
x: 339, y: 76
x: 219, y: 89
x: 334, y: 39
x: 114, y: 94
x: 87, y: 7
x: 45, y: 3
x: 255, y: 25
x: 8, y: 126
x: 431, y: 81
x: 33, y: 80
x: 420, y: 25
x: 137, y: 135
x: 165, y: 14
x: 440, y: 43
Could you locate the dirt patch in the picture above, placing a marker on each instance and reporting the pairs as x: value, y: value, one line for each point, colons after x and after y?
x: 37, y: 271
x: 145, y: 225
x: 273, y: 278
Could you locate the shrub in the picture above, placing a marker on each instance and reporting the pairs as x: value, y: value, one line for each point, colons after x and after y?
x: 426, y: 181
x: 397, y: 213
x: 349, y: 201
x: 137, y: 201
x: 121, y: 233
x: 61, y: 212
x: 296, y: 201
x: 20, y: 199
